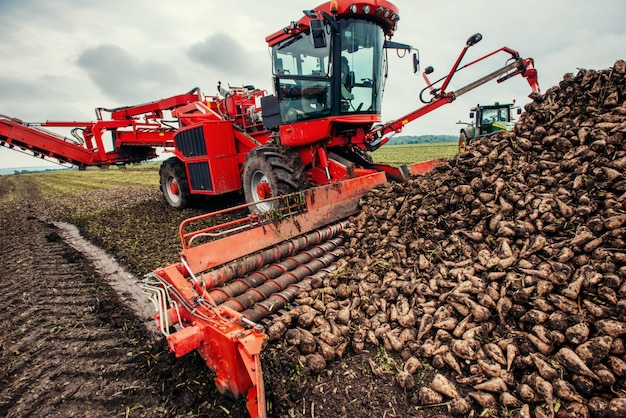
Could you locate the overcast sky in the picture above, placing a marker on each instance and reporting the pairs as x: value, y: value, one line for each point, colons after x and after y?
x: 61, y: 59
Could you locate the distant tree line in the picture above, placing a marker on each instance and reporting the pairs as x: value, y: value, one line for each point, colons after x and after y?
x: 422, y: 139
x: 35, y: 170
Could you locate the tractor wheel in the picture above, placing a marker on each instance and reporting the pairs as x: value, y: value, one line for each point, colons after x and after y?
x: 462, y: 142
x: 270, y: 172
x: 174, y: 183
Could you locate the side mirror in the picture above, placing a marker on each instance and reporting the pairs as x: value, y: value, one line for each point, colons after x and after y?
x: 471, y: 115
x: 519, y: 110
x: 429, y: 70
x: 416, y: 63
x: 318, y: 34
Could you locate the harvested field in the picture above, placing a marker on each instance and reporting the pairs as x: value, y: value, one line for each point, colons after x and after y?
x: 493, y: 286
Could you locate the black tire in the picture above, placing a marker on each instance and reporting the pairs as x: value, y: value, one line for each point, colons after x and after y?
x: 270, y: 172
x: 174, y: 183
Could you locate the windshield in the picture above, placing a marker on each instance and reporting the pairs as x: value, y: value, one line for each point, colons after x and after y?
x: 496, y: 115
x: 361, y: 66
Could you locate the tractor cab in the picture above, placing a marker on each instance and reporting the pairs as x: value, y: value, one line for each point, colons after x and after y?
x: 486, y: 120
x: 493, y: 118
x: 330, y: 67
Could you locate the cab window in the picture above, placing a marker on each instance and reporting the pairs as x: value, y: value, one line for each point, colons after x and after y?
x: 301, y: 76
x: 361, y: 67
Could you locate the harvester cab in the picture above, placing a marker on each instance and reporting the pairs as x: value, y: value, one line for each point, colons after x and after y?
x: 486, y: 120
x: 329, y: 65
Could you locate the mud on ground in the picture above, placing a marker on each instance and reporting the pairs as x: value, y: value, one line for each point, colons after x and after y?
x: 71, y: 347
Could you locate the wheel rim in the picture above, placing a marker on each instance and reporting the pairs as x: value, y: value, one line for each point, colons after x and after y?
x: 259, y: 190
x: 263, y: 190
x: 462, y: 145
x: 173, y: 190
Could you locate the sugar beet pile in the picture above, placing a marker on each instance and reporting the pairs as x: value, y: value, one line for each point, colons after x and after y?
x: 504, y: 270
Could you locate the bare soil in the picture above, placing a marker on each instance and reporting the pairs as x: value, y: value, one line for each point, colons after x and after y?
x: 71, y: 346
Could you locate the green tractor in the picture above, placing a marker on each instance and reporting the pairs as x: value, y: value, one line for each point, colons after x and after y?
x: 486, y: 121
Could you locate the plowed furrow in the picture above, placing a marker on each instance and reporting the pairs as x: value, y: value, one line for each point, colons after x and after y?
x: 60, y: 341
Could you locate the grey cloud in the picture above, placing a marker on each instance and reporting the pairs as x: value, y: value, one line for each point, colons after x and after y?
x: 123, y: 76
x: 220, y: 51
x: 16, y: 88
x: 37, y: 99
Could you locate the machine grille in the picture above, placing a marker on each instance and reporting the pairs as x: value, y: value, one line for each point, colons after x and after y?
x: 200, y: 176
x: 191, y: 142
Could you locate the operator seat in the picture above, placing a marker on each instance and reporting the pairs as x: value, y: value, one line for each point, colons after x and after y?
x: 347, y: 82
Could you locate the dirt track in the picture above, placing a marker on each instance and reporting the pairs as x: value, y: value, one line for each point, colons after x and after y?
x: 70, y: 348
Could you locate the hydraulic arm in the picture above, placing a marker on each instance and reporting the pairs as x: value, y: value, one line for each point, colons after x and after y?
x: 135, y: 131
x: 516, y: 65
